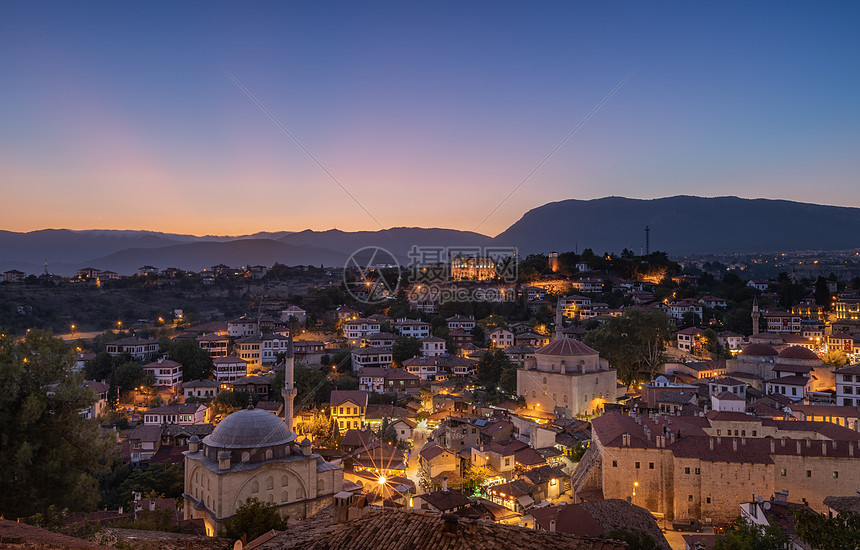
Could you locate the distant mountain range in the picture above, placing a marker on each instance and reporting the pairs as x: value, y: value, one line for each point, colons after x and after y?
x: 678, y: 225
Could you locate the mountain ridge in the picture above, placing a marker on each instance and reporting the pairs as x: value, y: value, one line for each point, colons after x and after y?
x: 682, y: 224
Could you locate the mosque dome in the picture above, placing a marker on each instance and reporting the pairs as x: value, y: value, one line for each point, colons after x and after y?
x: 759, y: 350
x: 249, y: 428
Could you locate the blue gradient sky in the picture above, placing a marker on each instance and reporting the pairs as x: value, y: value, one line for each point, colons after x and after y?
x: 120, y: 115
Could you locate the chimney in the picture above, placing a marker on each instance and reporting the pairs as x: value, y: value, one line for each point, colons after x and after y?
x: 798, y: 447
x: 782, y: 442
x: 552, y: 526
x: 851, y: 449
x: 445, y: 483
x: 743, y: 441
x: 341, y: 507
x: 824, y: 448
x: 734, y: 444
x: 711, y: 441
x: 449, y: 526
x: 772, y: 446
x: 719, y: 440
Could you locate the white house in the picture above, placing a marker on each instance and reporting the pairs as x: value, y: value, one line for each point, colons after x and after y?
x: 201, y: 389
x: 181, y: 414
x: 166, y: 372
x: 356, y: 329
x: 409, y: 327
x: 432, y: 346
x: 229, y: 368
x: 848, y: 386
x: 500, y: 338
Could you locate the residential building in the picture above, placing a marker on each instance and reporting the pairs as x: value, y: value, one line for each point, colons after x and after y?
x: 356, y: 329
x: 348, y: 408
x: 690, y: 339
x: 381, y: 340
x: 370, y: 357
x: 461, y: 322
x: 140, y: 349
x: 848, y: 386
x: 201, y: 389
x: 432, y: 346
x: 166, y: 372
x: 437, y: 462
x: 229, y: 368
x: 388, y: 380
x: 181, y: 414
x: 782, y: 321
x: 258, y: 385
x: 100, y: 405
x: 409, y: 327
x: 500, y: 338
x: 214, y: 344
x: 404, y: 428
x: 243, y: 327
x: 14, y: 276
x: 439, y: 368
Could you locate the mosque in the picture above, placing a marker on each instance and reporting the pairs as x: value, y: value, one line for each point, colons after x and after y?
x: 253, y: 454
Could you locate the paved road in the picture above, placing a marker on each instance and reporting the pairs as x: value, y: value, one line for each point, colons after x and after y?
x: 419, y: 438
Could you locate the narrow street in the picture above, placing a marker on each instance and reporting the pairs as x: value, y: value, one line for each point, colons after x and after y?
x: 419, y: 438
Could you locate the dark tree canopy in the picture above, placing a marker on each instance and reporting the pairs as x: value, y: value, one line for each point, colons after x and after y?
x: 405, y: 347
x: 633, y: 343
x: 196, y: 362
x: 252, y: 519
x: 50, y: 454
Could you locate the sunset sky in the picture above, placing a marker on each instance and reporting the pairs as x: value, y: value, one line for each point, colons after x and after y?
x: 121, y: 115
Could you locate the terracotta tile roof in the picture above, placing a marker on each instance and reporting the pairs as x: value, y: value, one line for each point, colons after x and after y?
x: 339, y: 397
x: 14, y: 533
x: 544, y: 474
x: 618, y: 514
x: 728, y: 396
x: 445, y: 500
x: 843, y: 504
x: 529, y: 457
x: 431, y: 452
x: 414, y: 529
x: 572, y: 519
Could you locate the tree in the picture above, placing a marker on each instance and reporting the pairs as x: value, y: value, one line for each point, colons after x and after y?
x: 636, y: 540
x: 474, y: 477
x: 490, y: 367
x: 633, y: 343
x: 405, y: 347
x: 836, y: 358
x: 252, y: 519
x: 823, y: 533
x: 747, y: 536
x: 131, y: 375
x: 196, y: 362
x: 822, y: 293
x: 50, y: 454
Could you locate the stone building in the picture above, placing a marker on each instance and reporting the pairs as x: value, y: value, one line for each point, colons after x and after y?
x: 678, y: 469
x: 254, y: 454
x: 568, y: 374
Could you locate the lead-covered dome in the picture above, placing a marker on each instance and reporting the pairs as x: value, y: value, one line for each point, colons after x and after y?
x: 759, y: 350
x: 248, y: 429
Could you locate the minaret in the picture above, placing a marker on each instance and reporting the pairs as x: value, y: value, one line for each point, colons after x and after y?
x: 289, y: 390
x: 755, y: 316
